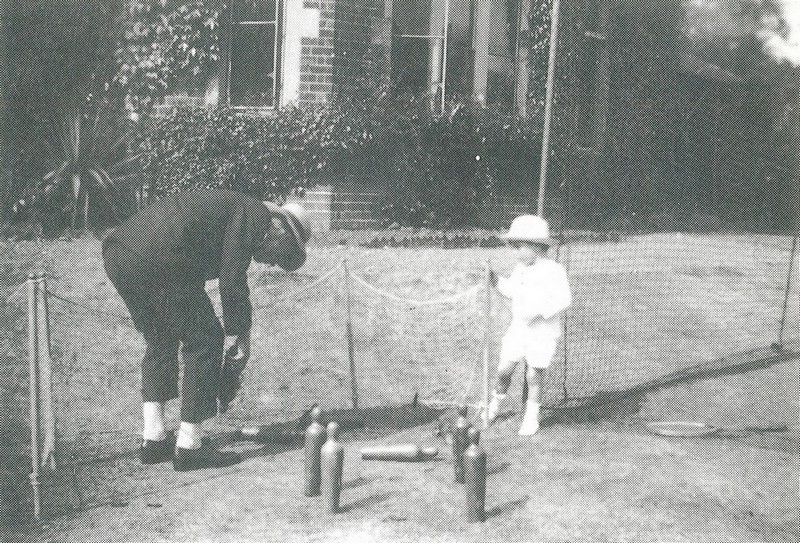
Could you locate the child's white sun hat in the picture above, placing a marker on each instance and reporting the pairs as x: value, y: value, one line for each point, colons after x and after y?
x: 530, y: 228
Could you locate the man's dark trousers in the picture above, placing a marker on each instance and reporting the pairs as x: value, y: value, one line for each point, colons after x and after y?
x: 171, y: 312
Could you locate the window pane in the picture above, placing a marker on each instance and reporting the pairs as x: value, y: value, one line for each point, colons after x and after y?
x: 412, y: 17
x: 253, y: 66
x: 502, y: 52
x: 254, y: 10
x: 410, y: 58
x: 503, y: 28
x: 500, y: 80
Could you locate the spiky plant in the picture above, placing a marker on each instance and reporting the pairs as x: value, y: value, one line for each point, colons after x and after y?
x: 92, y: 179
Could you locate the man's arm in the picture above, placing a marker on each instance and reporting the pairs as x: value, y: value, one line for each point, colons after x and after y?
x: 237, y: 311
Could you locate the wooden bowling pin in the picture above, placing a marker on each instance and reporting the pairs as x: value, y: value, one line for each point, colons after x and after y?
x: 460, y: 443
x: 315, y: 439
x: 332, y: 467
x: 475, y: 478
x: 407, y: 452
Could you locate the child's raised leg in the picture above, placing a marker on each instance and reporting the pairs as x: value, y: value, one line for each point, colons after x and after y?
x: 505, y: 371
x: 530, y: 422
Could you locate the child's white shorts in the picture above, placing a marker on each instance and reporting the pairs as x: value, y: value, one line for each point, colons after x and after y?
x: 536, y: 348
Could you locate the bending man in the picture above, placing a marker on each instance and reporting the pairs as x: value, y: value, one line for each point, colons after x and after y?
x: 159, y: 260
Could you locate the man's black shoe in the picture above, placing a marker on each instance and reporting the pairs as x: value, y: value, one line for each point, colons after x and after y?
x: 204, y: 457
x: 154, y: 452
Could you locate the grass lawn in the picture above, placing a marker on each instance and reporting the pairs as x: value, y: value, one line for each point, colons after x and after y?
x: 644, y: 306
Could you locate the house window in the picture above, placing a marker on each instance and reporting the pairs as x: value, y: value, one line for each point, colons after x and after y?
x: 412, y: 39
x: 254, y: 54
x: 502, y: 57
x: 433, y: 49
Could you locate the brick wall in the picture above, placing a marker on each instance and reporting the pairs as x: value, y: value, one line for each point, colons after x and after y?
x: 351, y: 39
x: 317, y: 56
x: 353, y: 209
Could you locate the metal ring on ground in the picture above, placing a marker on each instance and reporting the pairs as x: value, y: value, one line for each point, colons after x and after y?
x: 679, y: 428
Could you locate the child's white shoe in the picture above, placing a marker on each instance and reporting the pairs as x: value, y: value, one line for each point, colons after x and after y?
x: 493, y: 408
x: 530, y: 422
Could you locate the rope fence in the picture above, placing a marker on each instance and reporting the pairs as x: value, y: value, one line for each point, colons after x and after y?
x: 42, y: 401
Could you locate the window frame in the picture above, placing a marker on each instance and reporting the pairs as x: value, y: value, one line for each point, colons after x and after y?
x: 277, y: 56
x: 512, y: 56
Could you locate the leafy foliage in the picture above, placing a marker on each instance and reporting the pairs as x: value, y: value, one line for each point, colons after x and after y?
x: 61, y: 62
x: 92, y: 181
x: 266, y: 156
x: 166, y: 44
x: 434, y: 170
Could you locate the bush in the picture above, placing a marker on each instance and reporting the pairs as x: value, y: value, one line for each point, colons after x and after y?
x: 434, y: 170
x: 265, y: 156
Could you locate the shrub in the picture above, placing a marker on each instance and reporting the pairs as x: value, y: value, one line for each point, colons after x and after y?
x: 434, y: 170
x: 265, y: 156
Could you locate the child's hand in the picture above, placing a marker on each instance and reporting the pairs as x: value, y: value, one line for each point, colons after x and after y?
x: 493, y: 278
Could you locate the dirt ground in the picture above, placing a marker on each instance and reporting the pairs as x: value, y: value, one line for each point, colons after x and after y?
x: 607, y: 480
x: 601, y: 477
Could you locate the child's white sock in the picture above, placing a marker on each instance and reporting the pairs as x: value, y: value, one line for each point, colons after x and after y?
x: 530, y: 422
x: 153, y: 415
x: 494, y: 405
x: 190, y: 435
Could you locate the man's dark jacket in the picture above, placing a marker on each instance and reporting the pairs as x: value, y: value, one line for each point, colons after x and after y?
x: 191, y: 237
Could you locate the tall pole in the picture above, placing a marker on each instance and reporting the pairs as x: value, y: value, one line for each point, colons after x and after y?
x: 788, y: 290
x: 445, y: 36
x: 33, y: 359
x: 487, y: 338
x: 349, y: 333
x: 548, y: 105
x: 47, y: 412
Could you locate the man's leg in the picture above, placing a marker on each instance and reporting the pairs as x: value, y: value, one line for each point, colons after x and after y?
x: 159, y: 367
x: 202, y: 343
x: 159, y: 385
x: 159, y: 370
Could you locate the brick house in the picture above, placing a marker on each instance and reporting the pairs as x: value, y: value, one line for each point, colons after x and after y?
x: 281, y: 52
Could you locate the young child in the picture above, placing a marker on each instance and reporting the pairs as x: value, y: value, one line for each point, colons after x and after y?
x: 539, y: 293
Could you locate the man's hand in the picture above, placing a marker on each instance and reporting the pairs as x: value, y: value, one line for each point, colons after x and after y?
x: 238, y: 347
x: 237, y: 352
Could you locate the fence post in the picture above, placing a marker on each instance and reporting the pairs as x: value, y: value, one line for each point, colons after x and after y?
x: 47, y: 412
x: 487, y: 338
x: 349, y: 334
x: 33, y: 359
x: 788, y: 291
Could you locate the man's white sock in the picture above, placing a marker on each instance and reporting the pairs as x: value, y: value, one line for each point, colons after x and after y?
x: 153, y: 415
x: 190, y: 435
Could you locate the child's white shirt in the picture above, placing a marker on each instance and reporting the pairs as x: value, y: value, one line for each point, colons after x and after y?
x: 538, y: 293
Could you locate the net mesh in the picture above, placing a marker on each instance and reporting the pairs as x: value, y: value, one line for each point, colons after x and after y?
x: 649, y: 305
x: 299, y: 357
x: 426, y: 347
